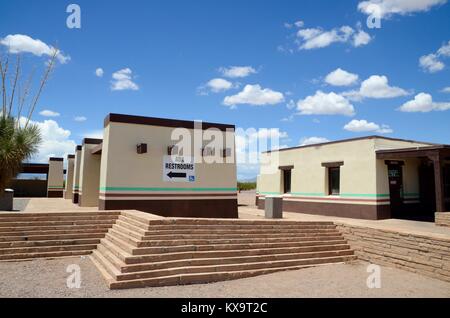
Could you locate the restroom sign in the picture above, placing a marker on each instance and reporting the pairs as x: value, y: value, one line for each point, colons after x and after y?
x: 178, y: 169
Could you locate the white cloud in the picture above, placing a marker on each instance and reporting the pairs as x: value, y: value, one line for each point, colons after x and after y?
x: 99, y: 72
x: 365, y: 126
x: 80, y: 118
x: 20, y: 43
x: 217, y: 85
x: 123, y: 80
x: 315, y: 38
x: 387, y: 8
x: 48, y: 113
x: 339, y: 77
x: 431, y: 62
x: 446, y: 90
x: 96, y: 134
x: 361, y: 38
x: 312, y: 141
x: 55, y: 140
x: 377, y: 87
x: 423, y: 103
x: 291, y: 104
x: 237, y: 71
x: 444, y: 50
x: 325, y: 104
x: 254, y: 95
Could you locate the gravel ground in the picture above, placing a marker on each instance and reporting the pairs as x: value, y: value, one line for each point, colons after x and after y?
x: 47, y: 278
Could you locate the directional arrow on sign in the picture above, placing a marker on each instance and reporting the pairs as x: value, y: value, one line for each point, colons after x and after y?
x: 172, y: 174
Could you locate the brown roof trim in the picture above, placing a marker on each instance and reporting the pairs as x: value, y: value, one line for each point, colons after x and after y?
x: 55, y: 159
x: 348, y: 140
x: 413, y: 149
x: 92, y: 141
x: 163, y: 122
x: 40, y: 168
x: 70, y: 156
x: 334, y: 164
x: 78, y: 148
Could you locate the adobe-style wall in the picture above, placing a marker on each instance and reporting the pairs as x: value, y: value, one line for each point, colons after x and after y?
x: 364, y: 186
x: 89, y: 174
x: 68, y: 191
x: 76, y: 174
x: 129, y: 180
x: 442, y: 219
x: 55, y: 179
x: 425, y: 255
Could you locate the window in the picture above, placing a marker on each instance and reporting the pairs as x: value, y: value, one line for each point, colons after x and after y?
x: 334, y: 180
x: 286, y: 181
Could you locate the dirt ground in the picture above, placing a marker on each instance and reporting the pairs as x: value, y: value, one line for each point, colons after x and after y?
x: 47, y: 278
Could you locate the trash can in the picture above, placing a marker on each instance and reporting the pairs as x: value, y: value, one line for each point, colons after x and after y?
x: 273, y: 207
x: 6, y: 200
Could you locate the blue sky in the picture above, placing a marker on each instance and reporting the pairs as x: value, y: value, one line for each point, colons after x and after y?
x: 165, y: 54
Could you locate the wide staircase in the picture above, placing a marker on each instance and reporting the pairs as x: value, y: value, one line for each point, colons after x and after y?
x: 49, y: 235
x: 139, y: 251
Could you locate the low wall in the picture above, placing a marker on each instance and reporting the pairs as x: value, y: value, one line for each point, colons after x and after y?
x: 442, y: 219
x: 29, y: 188
x: 425, y: 255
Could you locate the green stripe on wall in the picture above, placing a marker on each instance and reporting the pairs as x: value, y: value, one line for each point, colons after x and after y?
x: 55, y: 187
x: 348, y: 195
x: 168, y: 189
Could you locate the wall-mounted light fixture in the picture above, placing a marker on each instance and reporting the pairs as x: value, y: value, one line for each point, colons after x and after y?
x: 141, y: 148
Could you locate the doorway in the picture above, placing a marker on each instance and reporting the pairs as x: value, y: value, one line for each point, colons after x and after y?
x: 287, y: 181
x: 395, y: 174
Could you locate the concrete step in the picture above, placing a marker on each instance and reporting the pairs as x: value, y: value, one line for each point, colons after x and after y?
x: 49, y: 243
x: 237, y: 231
x: 49, y: 228
x: 238, y: 255
x: 52, y: 232
x: 56, y: 218
x: 53, y: 237
x: 203, y: 221
x: 217, y: 247
x: 132, y: 227
x: 46, y: 249
x: 17, y: 257
x: 185, y: 279
x: 238, y: 226
x: 238, y: 235
x: 238, y: 240
x: 119, y: 276
x: 55, y: 223
x: 52, y: 214
x: 135, y: 222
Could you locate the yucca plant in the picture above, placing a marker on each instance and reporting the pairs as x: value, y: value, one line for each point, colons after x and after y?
x: 19, y: 136
x: 17, y: 144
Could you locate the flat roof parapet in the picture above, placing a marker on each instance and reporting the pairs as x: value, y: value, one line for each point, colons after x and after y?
x: 348, y: 140
x: 92, y: 141
x: 55, y: 159
x: 163, y: 122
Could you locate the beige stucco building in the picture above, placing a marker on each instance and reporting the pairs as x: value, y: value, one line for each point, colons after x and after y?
x: 163, y: 166
x: 371, y: 178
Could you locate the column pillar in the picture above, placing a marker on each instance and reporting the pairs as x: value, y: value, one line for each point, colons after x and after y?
x: 439, y: 183
x: 68, y: 191
x: 55, y: 178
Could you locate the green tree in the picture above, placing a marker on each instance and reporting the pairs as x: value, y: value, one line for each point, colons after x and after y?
x: 19, y: 137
